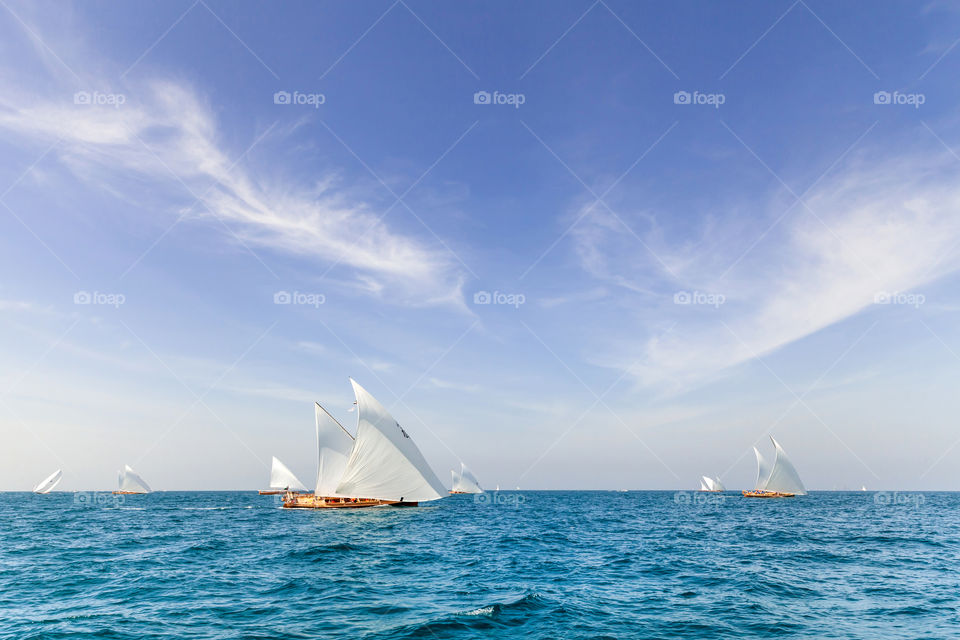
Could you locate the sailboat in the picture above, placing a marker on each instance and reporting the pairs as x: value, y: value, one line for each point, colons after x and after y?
x: 779, y: 481
x: 711, y: 484
x: 130, y: 482
x: 282, y: 479
x: 49, y: 483
x: 380, y: 466
x: 464, y: 482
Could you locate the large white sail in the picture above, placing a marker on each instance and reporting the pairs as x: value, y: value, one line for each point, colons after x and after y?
x: 49, y: 483
x: 333, y: 448
x: 465, y: 481
x: 784, y: 477
x: 282, y: 478
x: 706, y: 484
x: 763, y: 471
x: 384, y: 462
x: 717, y: 485
x: 130, y: 481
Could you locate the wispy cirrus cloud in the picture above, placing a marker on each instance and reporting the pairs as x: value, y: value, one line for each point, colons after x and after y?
x: 878, y: 226
x: 166, y: 134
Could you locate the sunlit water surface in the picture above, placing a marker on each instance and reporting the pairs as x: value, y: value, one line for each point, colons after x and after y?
x: 512, y: 565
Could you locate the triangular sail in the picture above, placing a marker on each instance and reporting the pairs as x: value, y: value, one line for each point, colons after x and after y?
x: 333, y: 448
x: 717, y: 485
x: 130, y: 481
x: 763, y: 470
x: 465, y: 481
x: 455, y: 480
x: 784, y: 477
x: 282, y: 478
x: 49, y: 483
x: 385, y: 463
x: 706, y: 484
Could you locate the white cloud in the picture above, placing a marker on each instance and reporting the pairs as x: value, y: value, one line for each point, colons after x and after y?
x: 164, y: 133
x: 880, y: 226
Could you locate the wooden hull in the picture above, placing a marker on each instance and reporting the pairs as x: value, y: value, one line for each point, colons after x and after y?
x: 767, y: 494
x: 129, y: 493
x: 453, y: 493
x: 310, y: 501
x: 270, y: 493
x: 320, y: 502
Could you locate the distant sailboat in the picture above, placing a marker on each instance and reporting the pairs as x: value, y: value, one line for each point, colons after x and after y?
x: 711, y: 484
x: 282, y: 479
x: 779, y: 481
x: 465, y: 481
x: 383, y: 465
x: 130, y: 482
x: 49, y: 483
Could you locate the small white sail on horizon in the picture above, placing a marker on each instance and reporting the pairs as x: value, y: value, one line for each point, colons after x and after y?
x: 282, y: 478
x: 711, y: 484
x: 334, y: 444
x: 47, y: 485
x: 130, y: 482
x: 384, y: 462
x: 465, y: 481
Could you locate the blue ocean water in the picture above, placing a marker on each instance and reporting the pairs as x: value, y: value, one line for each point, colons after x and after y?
x: 511, y: 565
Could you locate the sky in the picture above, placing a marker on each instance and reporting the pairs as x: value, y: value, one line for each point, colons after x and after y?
x: 576, y: 245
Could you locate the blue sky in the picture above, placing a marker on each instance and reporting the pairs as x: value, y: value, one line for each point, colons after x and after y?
x: 704, y: 223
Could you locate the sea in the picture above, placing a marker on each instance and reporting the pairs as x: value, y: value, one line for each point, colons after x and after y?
x: 516, y: 564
